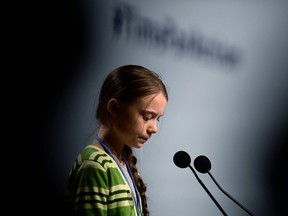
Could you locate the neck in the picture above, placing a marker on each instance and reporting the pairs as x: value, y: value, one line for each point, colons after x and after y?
x: 112, y: 143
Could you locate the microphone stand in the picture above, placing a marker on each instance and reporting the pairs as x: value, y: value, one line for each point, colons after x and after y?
x: 208, y: 192
x: 241, y: 206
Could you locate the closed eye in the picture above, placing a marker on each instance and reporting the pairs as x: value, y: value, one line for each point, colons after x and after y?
x: 148, y: 115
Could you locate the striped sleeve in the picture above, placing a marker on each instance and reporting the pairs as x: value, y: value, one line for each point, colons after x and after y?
x: 98, y: 186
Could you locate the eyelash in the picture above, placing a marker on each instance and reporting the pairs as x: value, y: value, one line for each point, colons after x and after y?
x: 146, y: 118
x: 150, y: 118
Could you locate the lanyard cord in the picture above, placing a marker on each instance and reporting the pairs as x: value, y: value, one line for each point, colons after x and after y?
x: 137, y: 199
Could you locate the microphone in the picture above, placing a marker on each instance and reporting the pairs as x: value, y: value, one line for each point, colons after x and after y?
x: 203, y: 165
x: 182, y: 160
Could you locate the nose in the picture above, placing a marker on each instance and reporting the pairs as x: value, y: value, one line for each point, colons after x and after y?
x: 152, y: 127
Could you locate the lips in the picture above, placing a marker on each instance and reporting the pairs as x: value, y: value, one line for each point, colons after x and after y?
x: 144, y: 139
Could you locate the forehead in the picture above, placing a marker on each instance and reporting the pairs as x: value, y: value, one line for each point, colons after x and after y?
x: 154, y: 103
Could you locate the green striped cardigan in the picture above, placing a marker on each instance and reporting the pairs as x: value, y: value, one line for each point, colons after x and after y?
x: 97, y: 187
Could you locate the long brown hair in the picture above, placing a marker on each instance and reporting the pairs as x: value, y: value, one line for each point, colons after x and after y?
x: 127, y: 84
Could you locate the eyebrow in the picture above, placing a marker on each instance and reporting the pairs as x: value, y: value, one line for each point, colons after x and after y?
x: 151, y: 112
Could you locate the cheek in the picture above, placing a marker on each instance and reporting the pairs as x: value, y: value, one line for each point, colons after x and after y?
x: 139, y: 124
x: 135, y: 125
x: 127, y: 121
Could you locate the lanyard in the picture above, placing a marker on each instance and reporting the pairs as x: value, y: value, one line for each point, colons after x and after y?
x: 136, y: 196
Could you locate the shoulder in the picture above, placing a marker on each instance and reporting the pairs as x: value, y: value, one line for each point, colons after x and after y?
x: 91, y: 152
x: 93, y: 156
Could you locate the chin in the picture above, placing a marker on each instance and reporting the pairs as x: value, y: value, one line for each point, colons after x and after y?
x: 139, y: 145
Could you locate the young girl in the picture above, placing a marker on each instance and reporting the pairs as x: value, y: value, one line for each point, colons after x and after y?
x: 104, y: 179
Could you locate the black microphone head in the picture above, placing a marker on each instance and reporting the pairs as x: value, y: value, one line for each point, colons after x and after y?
x: 182, y: 159
x: 202, y: 164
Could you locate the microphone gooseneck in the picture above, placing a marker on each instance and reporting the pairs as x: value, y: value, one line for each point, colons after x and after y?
x: 203, y: 165
x: 182, y: 159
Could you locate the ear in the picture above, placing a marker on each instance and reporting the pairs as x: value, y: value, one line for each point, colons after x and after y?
x: 113, y: 107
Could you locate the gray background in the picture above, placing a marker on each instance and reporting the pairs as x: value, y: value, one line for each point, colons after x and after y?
x: 234, y: 113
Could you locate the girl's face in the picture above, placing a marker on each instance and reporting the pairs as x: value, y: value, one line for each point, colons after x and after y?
x: 136, y: 122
